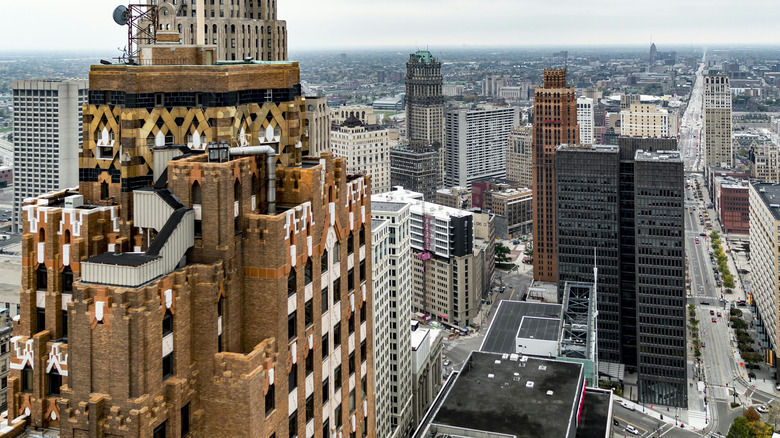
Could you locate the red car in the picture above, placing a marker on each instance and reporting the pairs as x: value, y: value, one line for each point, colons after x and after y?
x: 719, y: 315
x: 714, y: 319
x: 712, y: 312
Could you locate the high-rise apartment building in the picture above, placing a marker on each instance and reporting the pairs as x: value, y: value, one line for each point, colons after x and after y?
x: 447, y: 271
x: 227, y: 292
x: 519, y: 156
x: 717, y: 122
x: 417, y: 171
x: 645, y: 120
x: 366, y: 148
x: 585, y: 119
x: 424, y: 101
x: 555, y: 123
x: 475, y: 143
x: 318, y: 125
x: 393, y: 311
x: 47, y: 137
x: 765, y: 261
x: 622, y: 208
x: 238, y: 30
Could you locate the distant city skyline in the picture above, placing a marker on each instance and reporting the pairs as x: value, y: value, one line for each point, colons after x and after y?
x: 344, y: 24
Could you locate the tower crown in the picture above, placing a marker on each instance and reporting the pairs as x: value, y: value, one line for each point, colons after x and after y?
x: 555, y: 78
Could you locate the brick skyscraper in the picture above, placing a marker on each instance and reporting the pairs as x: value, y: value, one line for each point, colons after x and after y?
x: 206, y: 279
x: 555, y: 123
x: 424, y: 101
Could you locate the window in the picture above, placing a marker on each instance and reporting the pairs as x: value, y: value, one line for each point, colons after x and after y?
x: 325, y: 300
x: 326, y: 429
x: 292, y: 378
x: 167, y: 324
x: 362, y: 270
x: 336, y: 252
x: 167, y: 366
x: 40, y: 277
x: 270, y: 401
x: 67, y: 280
x: 27, y: 379
x: 351, y: 323
x: 351, y: 280
x: 352, y: 401
x: 352, y: 363
x: 337, y: 335
x: 309, y: 408
x: 363, y: 351
x: 291, y: 282
x: 310, y: 363
x: 307, y: 272
x: 324, y: 262
x: 308, y: 312
x: 185, y: 420
x: 362, y: 235
x: 336, y: 290
x: 292, y: 326
x: 159, y: 99
x: 40, y: 319
x: 337, y: 414
x: 364, y: 386
x: 293, y: 425
x: 363, y: 312
x: 325, y: 346
x: 337, y: 378
x: 65, y: 324
x: 325, y: 391
x: 350, y: 244
x: 159, y: 431
x: 55, y: 381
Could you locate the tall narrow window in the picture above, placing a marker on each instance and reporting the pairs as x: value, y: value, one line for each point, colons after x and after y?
x: 67, y: 280
x: 41, y: 277
x: 270, y: 401
x: 237, y: 207
x: 55, y: 381
x: 324, y: 262
x: 27, y: 379
x: 104, y: 190
x: 197, y: 201
x: 40, y: 319
x: 291, y: 282
x: 293, y: 425
x: 292, y: 378
x: 362, y: 235
x: 292, y: 326
x: 185, y: 418
x: 350, y: 244
x: 65, y: 324
x: 307, y: 272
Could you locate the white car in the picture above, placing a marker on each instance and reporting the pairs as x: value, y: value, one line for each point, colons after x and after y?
x: 761, y: 409
x: 628, y: 406
x: 632, y: 429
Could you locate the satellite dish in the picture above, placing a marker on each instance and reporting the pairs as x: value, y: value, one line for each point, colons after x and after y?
x: 121, y: 15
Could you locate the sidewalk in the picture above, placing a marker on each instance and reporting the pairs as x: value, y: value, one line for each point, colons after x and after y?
x: 692, y: 420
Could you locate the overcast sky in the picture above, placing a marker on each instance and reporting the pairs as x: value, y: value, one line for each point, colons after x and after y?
x: 341, y: 24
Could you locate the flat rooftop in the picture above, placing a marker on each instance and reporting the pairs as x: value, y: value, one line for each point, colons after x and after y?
x: 377, y: 205
x: 503, y: 330
x: 495, y: 395
x: 642, y: 155
x: 533, y: 327
x: 596, y: 414
x: 770, y: 194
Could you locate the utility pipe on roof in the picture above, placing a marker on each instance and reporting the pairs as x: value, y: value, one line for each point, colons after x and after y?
x: 271, y: 154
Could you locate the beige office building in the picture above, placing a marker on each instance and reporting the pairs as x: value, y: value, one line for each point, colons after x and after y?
x: 238, y: 29
x: 366, y: 148
x: 455, y: 197
x: 717, y: 122
x: 764, y: 241
x: 644, y: 120
x: 364, y: 113
x: 764, y: 162
x: 318, y: 125
x: 518, y: 155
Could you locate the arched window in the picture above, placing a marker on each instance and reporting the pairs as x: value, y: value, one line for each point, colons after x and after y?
x: 104, y: 190
x: 197, y: 195
x: 291, y: 282
x: 66, y: 238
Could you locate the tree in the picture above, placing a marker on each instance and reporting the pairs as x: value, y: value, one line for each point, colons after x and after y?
x: 740, y: 428
x: 529, y: 249
x: 501, y: 252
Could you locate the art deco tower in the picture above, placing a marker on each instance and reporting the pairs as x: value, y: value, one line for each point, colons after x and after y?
x: 207, y: 278
x: 424, y: 101
x: 555, y: 123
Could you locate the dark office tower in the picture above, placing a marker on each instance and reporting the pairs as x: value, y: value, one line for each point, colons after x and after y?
x: 660, y: 277
x: 626, y: 202
x: 417, y: 171
x: 555, y: 123
x: 587, y: 213
x: 424, y: 101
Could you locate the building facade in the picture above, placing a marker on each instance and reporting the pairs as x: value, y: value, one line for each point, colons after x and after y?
x: 318, y: 124
x: 585, y: 119
x: 555, y: 123
x: 475, y: 143
x: 718, y: 150
x: 364, y: 113
x: 237, y: 30
x: 645, y: 120
x: 764, y: 162
x: 366, y: 149
x: 380, y: 232
x: 6, y: 332
x: 394, y: 414
x: 424, y: 101
x: 454, y: 197
x: 732, y: 204
x: 519, y: 155
x: 765, y: 280
x: 626, y: 216
x: 416, y: 170
x: 427, y: 346
x: 516, y: 205
x: 47, y: 135
x: 130, y: 268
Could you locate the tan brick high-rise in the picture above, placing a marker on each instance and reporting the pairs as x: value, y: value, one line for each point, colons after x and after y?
x: 555, y: 123
x: 227, y: 294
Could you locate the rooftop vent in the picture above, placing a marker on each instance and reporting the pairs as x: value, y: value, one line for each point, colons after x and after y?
x: 505, y: 356
x: 529, y: 384
x: 513, y: 357
x: 490, y: 376
x: 549, y: 392
x: 524, y: 359
x: 497, y: 362
x: 542, y: 367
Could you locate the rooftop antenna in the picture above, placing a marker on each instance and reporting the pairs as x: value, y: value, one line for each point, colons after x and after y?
x: 141, y: 22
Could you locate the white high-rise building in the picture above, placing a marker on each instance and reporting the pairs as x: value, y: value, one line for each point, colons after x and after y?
x: 585, y: 119
x: 392, y: 314
x: 717, y: 122
x: 475, y: 143
x: 366, y: 148
x: 47, y: 137
x: 644, y: 120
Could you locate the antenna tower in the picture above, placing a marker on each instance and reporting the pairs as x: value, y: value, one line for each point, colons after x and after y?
x: 141, y: 22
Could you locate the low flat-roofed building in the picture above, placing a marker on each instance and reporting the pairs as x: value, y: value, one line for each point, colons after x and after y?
x: 520, y: 320
x: 518, y: 396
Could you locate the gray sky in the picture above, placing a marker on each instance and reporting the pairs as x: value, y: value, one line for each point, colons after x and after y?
x: 339, y: 24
